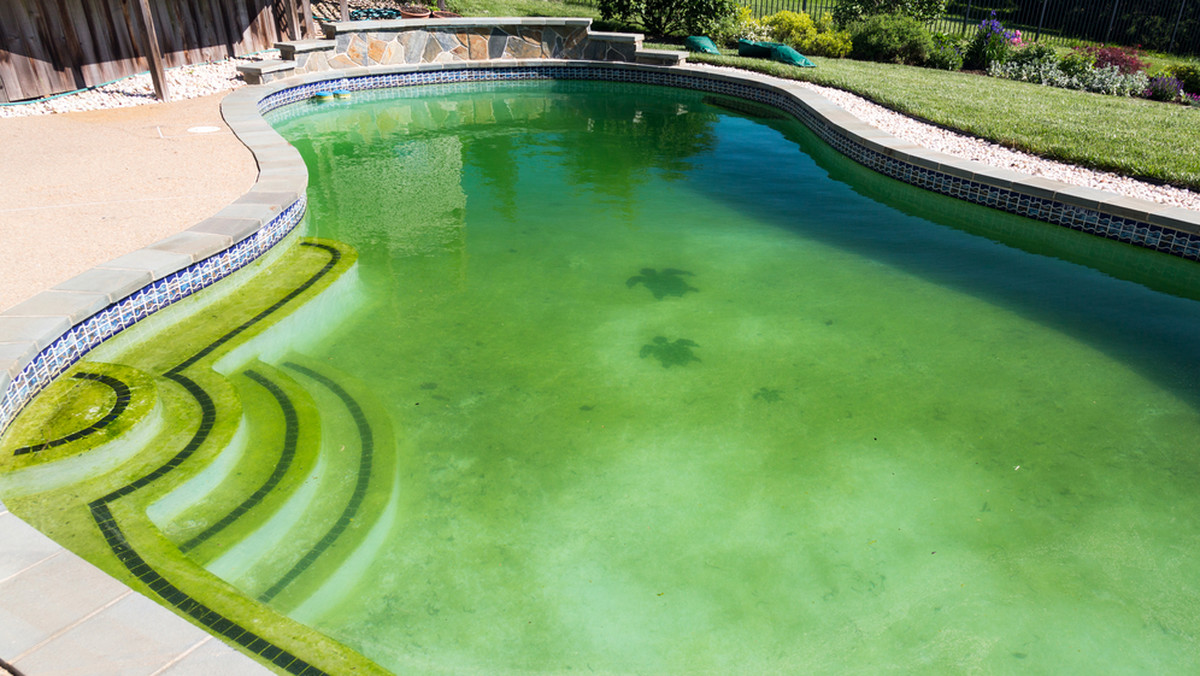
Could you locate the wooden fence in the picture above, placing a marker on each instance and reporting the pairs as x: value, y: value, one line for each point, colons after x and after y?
x: 51, y: 46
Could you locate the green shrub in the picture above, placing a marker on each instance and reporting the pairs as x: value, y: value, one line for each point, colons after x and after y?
x: 848, y: 12
x: 891, y: 38
x: 1034, y: 54
x: 799, y: 31
x: 665, y: 17
x: 946, y: 53
x: 1077, y: 63
x: 793, y: 28
x: 1189, y: 75
x: 835, y: 44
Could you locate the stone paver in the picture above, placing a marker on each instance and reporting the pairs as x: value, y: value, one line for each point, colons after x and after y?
x: 62, y: 616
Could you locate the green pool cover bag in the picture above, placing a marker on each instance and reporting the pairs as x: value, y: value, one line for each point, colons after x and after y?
x: 776, y: 51
x: 699, y: 43
x: 785, y: 54
x: 754, y: 50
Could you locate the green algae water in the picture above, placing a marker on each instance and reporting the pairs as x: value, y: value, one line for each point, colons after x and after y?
x: 669, y: 399
x: 656, y: 382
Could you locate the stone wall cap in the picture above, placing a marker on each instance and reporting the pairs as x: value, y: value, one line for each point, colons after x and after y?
x: 341, y: 27
x: 615, y: 37
x: 114, y: 283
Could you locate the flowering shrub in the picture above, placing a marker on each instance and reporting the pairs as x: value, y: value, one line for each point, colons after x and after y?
x: 1192, y: 99
x: 799, y: 31
x: 1163, y: 88
x: 1040, y: 65
x: 741, y: 25
x: 947, y: 52
x: 1127, y: 59
x: 990, y: 44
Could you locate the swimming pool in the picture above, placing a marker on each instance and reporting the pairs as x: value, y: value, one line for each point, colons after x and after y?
x: 640, y: 379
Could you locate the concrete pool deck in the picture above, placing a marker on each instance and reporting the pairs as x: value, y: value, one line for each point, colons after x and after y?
x: 117, y: 180
x: 80, y: 189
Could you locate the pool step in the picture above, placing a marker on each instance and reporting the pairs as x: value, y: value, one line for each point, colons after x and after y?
x: 267, y: 71
x: 90, y: 422
x: 367, y: 502
x: 280, y: 530
x: 241, y: 489
x: 660, y: 57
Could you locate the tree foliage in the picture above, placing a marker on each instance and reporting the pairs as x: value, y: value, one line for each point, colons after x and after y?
x: 849, y: 11
x: 665, y: 17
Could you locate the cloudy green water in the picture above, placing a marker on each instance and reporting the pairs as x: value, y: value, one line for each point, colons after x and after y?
x: 679, y: 390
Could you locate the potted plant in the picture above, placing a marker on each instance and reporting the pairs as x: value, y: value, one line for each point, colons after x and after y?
x: 414, y: 11
x: 441, y: 11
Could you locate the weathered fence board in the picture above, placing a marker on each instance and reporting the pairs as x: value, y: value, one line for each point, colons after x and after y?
x: 51, y: 46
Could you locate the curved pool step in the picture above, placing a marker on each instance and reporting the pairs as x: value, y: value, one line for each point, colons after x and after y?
x: 350, y: 535
x: 278, y: 450
x: 99, y: 419
x: 310, y: 476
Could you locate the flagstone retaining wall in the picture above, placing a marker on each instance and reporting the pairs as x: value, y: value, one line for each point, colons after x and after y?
x: 354, y: 44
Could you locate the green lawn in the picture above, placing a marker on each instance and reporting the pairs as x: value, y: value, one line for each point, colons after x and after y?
x: 524, y: 8
x: 1134, y: 137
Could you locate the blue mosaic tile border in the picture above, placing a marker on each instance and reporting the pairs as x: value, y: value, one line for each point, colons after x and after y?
x: 72, y: 345
x: 1092, y: 221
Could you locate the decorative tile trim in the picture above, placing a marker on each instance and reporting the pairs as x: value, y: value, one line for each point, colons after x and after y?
x: 71, y: 346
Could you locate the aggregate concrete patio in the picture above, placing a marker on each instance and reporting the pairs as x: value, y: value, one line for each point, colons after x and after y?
x: 79, y: 189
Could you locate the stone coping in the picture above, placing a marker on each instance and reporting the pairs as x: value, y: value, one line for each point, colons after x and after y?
x: 62, y: 615
x: 332, y: 29
x: 43, y: 336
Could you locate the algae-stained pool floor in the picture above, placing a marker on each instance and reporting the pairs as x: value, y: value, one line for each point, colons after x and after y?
x: 653, y: 383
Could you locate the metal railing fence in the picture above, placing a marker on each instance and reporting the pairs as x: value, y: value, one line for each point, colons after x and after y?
x: 1162, y: 25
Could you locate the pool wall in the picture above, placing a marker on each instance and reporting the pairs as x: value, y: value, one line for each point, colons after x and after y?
x: 43, y: 337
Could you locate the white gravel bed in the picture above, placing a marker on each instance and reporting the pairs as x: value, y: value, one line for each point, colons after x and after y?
x: 203, y: 79
x: 985, y: 152
x: 971, y: 148
x: 185, y: 82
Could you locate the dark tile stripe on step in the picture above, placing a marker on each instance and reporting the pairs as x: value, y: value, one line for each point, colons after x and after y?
x: 366, y: 459
x: 290, y: 436
x: 123, y: 395
x: 137, y: 566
